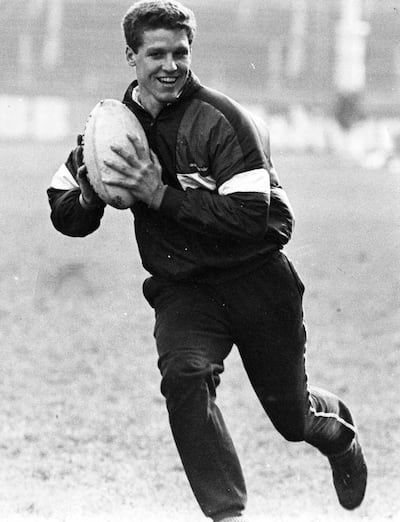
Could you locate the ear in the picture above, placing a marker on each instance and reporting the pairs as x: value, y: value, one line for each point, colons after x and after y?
x: 130, y: 56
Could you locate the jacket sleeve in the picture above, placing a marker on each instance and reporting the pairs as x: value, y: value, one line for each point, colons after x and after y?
x: 241, y: 215
x: 248, y: 202
x: 67, y: 214
x: 281, y: 219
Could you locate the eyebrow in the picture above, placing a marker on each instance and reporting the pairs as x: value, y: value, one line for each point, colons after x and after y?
x: 162, y: 49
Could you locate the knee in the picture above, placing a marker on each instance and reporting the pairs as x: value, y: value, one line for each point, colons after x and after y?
x: 295, y: 434
x: 184, y: 374
x: 291, y: 429
x: 289, y: 420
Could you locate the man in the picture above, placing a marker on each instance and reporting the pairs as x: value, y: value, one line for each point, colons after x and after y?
x: 211, y: 220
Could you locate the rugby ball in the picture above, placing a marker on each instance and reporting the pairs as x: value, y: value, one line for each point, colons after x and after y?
x: 108, y: 124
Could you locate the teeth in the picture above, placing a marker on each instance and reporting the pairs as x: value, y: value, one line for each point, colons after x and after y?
x: 167, y: 80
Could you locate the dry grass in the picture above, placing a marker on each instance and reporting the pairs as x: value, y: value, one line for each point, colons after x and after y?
x: 83, y: 429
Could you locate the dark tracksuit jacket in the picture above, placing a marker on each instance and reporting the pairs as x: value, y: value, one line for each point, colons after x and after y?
x: 223, y: 210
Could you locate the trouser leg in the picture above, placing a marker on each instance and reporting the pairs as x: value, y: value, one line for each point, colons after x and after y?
x: 271, y: 338
x: 329, y: 424
x: 192, y: 341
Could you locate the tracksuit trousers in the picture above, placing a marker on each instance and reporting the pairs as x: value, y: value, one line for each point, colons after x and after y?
x: 196, y: 326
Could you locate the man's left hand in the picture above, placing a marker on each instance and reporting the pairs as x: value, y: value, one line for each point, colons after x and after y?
x: 139, y: 171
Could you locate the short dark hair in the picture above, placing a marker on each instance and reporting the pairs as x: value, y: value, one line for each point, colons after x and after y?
x: 156, y: 14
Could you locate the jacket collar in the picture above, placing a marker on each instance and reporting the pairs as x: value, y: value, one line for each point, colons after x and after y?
x: 191, y: 86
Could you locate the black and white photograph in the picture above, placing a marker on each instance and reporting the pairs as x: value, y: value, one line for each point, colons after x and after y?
x: 199, y: 279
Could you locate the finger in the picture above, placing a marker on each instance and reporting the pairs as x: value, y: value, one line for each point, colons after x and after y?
x: 117, y: 182
x: 141, y: 150
x: 120, y: 182
x: 117, y: 167
x: 79, y: 155
x: 82, y: 172
x: 80, y: 140
x: 129, y: 157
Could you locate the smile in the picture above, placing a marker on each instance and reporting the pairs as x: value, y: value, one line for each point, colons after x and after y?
x: 168, y: 80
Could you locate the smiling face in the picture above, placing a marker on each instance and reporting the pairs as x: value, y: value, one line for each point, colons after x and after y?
x: 162, y: 64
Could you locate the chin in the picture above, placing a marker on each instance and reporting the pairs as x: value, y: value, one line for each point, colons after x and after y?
x: 170, y: 97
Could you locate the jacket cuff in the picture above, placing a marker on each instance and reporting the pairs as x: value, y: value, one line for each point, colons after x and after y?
x: 172, y: 201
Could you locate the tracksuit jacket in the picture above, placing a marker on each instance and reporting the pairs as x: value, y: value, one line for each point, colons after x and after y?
x: 223, y: 210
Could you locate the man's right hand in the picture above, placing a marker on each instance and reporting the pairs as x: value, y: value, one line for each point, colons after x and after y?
x: 88, y: 198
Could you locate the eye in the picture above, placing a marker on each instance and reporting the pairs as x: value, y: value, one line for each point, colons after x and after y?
x: 182, y: 53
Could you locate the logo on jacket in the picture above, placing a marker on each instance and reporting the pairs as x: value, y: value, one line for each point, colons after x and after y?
x: 203, y: 171
x: 199, y: 177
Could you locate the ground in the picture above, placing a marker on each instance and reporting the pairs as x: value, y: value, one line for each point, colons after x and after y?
x: 83, y: 431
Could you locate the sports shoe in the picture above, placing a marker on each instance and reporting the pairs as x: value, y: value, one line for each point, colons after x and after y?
x: 349, y: 472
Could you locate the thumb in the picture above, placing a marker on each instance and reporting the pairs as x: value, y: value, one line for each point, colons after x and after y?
x: 82, y: 173
x: 82, y: 179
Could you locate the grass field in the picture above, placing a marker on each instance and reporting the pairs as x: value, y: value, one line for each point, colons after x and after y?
x: 84, y: 434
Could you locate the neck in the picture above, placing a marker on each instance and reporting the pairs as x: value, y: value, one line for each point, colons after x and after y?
x: 151, y: 106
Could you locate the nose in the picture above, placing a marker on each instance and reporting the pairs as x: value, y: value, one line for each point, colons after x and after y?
x: 170, y: 64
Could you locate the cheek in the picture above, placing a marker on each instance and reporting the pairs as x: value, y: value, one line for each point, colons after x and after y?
x: 145, y: 77
x: 143, y: 70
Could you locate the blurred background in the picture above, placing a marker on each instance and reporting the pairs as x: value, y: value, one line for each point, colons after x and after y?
x: 307, y: 65
x: 84, y: 434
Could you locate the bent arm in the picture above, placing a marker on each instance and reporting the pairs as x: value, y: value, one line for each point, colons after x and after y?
x: 246, y: 190
x: 250, y: 215
x: 69, y: 217
x: 69, y: 214
x: 242, y: 215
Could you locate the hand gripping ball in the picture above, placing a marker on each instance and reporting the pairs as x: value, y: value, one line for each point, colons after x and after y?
x: 108, y: 124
